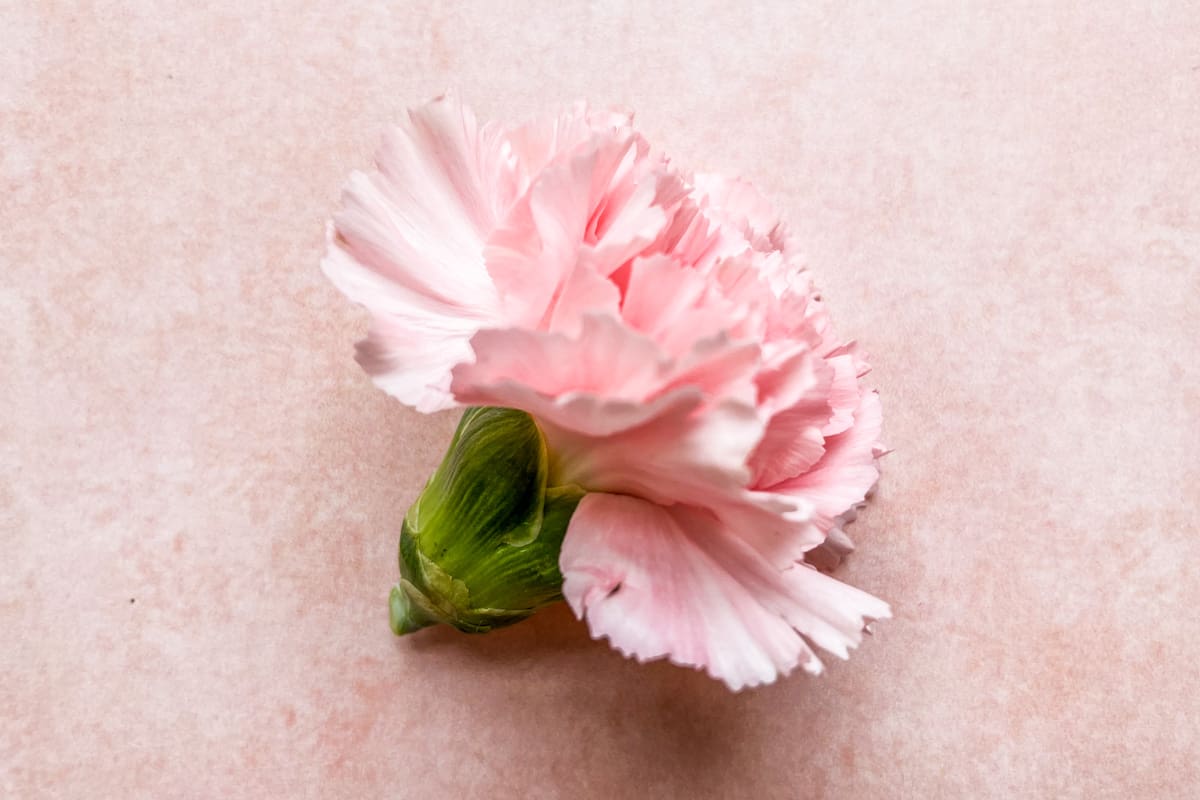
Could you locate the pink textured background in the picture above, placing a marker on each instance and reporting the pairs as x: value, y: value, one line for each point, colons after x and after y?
x: 202, y: 493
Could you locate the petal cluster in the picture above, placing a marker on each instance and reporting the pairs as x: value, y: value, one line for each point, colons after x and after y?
x: 663, y: 332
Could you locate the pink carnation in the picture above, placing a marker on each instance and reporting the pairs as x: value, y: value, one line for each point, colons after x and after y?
x: 663, y: 332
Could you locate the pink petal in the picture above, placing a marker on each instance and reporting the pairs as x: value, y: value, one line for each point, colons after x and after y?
x: 422, y: 218
x: 693, y: 239
x: 791, y: 444
x: 411, y: 360
x: 720, y: 367
x: 673, y: 583
x: 672, y: 303
x: 794, y: 390
x: 792, y: 374
x: 678, y: 455
x: 843, y: 394
x: 414, y: 340
x: 540, y: 141
x: 568, y: 380
x: 603, y: 358
x: 585, y: 210
x: 630, y: 219
x: 610, y: 418
x: 847, y: 471
x: 407, y: 245
x: 532, y: 252
x: 620, y: 417
x: 584, y: 293
x: 742, y: 206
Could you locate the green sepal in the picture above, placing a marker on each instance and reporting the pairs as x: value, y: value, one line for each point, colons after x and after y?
x: 479, y: 548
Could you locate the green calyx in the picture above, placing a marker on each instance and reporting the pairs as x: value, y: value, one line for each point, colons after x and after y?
x: 479, y: 548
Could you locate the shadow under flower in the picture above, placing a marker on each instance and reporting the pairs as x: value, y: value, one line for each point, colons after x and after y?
x: 672, y: 730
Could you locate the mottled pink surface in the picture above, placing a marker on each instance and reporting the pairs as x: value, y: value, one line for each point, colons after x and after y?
x: 202, y: 491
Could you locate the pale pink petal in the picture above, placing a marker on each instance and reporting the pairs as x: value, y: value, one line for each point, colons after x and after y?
x: 740, y: 205
x: 604, y: 358
x: 792, y: 443
x: 611, y: 418
x: 673, y: 583
x: 407, y: 244
x: 781, y: 529
x: 861, y: 363
x: 743, y: 283
x: 791, y: 373
x: 794, y: 391
x: 422, y: 218
x: 693, y: 239
x: 584, y: 293
x: 409, y: 360
x: 626, y: 223
x: 678, y: 455
x: 847, y: 471
x: 556, y: 375
x: 537, y: 246
x: 414, y: 340
x: 533, y: 251
x: 535, y: 144
x: 672, y: 303
x: 659, y: 292
x: 843, y: 394
x: 720, y: 367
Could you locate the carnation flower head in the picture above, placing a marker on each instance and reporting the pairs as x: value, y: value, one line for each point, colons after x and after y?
x: 676, y: 395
